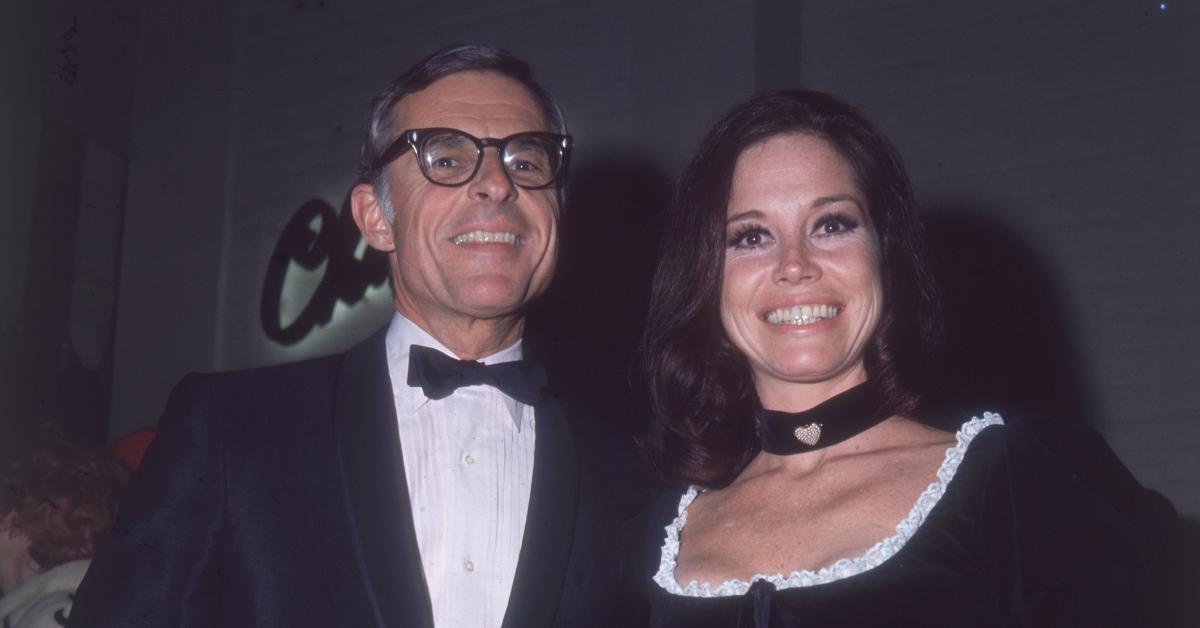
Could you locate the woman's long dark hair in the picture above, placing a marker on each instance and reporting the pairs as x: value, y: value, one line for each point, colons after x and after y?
x: 697, y: 384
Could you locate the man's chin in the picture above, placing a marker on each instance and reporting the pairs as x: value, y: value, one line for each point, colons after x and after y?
x: 492, y: 298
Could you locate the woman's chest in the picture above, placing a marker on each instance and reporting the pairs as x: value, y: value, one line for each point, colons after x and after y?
x: 790, y: 527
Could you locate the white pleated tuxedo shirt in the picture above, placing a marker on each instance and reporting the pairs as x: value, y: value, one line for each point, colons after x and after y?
x: 468, y: 459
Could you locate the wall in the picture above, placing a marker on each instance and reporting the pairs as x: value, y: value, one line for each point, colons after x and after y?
x: 67, y: 71
x: 249, y: 111
x: 1053, y: 148
x: 1049, y: 144
x: 177, y: 200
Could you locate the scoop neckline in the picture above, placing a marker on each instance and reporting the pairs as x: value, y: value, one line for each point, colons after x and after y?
x: 842, y: 568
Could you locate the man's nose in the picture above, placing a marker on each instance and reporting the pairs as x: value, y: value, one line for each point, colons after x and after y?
x: 492, y: 182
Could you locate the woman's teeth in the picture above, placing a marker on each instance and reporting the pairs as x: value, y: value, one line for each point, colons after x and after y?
x: 801, y: 314
x: 485, y: 236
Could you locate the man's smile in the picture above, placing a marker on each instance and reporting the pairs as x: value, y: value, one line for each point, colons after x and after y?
x: 486, y: 237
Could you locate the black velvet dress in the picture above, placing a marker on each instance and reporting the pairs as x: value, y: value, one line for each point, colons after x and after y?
x: 1031, y: 523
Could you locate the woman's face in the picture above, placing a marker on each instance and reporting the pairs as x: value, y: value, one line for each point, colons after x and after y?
x: 801, y: 294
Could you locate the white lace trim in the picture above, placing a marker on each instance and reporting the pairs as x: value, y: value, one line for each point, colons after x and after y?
x: 843, y: 568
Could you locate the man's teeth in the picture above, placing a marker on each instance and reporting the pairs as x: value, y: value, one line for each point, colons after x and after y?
x: 801, y: 314
x: 485, y: 236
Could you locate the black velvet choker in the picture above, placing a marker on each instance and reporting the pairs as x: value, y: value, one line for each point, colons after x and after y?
x: 832, y: 421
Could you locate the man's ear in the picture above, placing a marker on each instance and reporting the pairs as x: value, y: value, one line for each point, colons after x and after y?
x: 368, y: 215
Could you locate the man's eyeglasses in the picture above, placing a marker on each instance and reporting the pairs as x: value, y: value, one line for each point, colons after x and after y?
x: 450, y: 157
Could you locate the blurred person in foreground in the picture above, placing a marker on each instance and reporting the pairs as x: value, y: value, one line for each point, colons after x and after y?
x: 428, y: 476
x: 792, y: 332
x: 55, y: 507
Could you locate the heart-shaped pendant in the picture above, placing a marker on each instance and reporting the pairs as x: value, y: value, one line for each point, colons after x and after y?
x: 808, y: 434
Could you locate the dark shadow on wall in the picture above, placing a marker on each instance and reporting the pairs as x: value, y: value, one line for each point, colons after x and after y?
x: 1011, y: 342
x: 587, y: 324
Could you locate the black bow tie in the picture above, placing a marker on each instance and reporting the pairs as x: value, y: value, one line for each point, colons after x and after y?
x: 439, y: 375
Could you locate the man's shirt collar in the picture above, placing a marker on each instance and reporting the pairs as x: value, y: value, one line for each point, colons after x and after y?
x: 402, y: 334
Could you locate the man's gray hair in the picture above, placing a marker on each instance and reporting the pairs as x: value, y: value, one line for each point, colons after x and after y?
x: 447, y: 61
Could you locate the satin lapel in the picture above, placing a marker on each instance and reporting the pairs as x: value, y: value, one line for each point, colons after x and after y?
x: 550, y: 525
x: 376, y: 492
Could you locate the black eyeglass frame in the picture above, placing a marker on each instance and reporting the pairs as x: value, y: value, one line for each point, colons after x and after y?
x: 413, y: 138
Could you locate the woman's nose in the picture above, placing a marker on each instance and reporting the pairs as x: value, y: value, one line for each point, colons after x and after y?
x: 796, y: 265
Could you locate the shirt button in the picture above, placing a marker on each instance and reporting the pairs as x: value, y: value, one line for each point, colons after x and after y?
x: 468, y: 459
x: 469, y: 566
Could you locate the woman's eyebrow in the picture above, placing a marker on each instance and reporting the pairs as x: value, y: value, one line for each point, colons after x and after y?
x: 749, y: 213
x: 836, y: 198
x: 817, y: 203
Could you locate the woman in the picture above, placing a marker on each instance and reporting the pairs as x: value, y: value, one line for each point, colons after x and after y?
x: 792, y: 329
x: 55, y: 507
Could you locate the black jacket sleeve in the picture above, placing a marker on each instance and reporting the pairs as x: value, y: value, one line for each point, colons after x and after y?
x: 157, y: 567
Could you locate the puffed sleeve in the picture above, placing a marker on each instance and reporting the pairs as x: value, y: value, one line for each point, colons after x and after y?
x: 1073, y: 538
x: 157, y: 567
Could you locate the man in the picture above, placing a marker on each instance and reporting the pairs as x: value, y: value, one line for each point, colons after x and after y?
x: 394, y: 485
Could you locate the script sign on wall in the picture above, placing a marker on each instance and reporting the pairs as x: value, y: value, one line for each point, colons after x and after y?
x: 346, y: 278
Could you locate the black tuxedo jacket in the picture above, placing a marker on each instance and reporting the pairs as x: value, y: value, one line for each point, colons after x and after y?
x: 277, y: 497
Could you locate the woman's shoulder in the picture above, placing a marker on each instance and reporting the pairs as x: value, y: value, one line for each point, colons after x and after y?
x: 1047, y: 451
x: 1064, y: 521
x: 1025, y: 428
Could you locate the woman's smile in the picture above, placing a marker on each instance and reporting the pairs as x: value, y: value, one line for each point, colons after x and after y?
x: 802, y: 314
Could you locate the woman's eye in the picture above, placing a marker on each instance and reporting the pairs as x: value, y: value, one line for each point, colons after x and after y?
x: 748, y: 238
x: 835, y: 224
